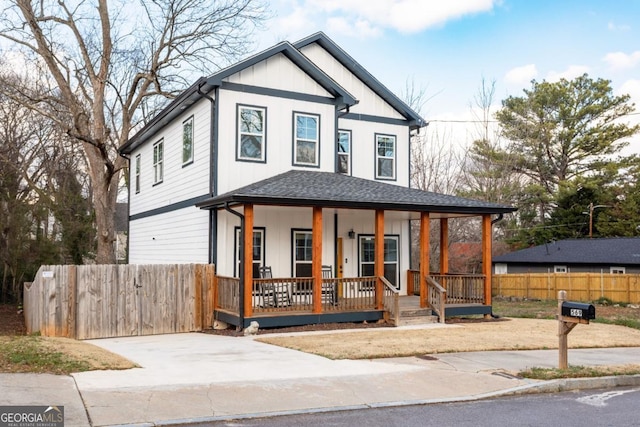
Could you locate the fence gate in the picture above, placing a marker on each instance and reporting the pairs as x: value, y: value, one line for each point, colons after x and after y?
x: 100, y: 301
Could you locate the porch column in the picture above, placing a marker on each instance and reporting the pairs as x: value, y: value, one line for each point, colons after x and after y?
x: 444, y: 245
x: 379, y: 257
x: 316, y: 259
x: 247, y: 260
x: 486, y: 257
x: 424, y: 256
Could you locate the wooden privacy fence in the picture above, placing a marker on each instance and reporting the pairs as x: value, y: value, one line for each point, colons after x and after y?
x: 100, y: 301
x: 623, y: 288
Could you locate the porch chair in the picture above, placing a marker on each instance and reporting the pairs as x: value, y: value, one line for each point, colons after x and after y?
x: 329, y: 288
x: 273, y: 294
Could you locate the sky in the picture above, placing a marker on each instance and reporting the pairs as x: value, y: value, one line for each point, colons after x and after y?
x: 447, y: 47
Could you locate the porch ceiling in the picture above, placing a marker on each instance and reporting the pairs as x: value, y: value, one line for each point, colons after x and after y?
x: 327, y: 189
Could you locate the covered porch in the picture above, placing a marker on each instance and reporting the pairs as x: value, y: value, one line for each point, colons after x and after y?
x: 319, y: 298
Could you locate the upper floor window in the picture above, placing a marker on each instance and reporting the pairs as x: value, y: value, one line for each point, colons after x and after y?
x: 251, y: 144
x: 187, y: 141
x: 306, y: 139
x: 158, y: 160
x: 344, y: 152
x: 560, y: 269
x: 385, y: 156
x: 137, y: 173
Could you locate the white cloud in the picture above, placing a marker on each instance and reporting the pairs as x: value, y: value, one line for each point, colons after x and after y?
x: 570, y: 73
x: 612, y: 26
x: 621, y: 60
x: 632, y: 88
x: 361, y: 28
x: 405, y: 16
x: 521, y: 75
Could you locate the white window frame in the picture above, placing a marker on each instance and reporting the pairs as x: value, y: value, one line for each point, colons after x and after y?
x: 307, y: 257
x: 158, y: 162
x: 137, y: 173
x: 257, y: 135
x: 346, y: 155
x: 560, y: 269
x: 385, y: 157
x: 387, y: 256
x: 187, y: 142
x: 306, y: 139
x: 617, y: 270
x: 500, y: 268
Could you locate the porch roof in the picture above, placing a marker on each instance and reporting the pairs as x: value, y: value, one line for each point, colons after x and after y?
x: 328, y: 189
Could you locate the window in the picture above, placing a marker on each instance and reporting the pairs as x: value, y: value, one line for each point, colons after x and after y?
x: 306, y: 139
x: 560, y: 269
x: 137, y: 180
x: 367, y: 259
x: 258, y: 251
x: 500, y: 268
x: 187, y: 141
x: 251, y: 133
x: 617, y: 270
x: 302, y: 253
x: 158, y: 157
x: 344, y: 152
x: 385, y: 156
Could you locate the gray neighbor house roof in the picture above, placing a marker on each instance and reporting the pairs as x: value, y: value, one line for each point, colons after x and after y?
x: 610, y: 251
x: 329, y: 189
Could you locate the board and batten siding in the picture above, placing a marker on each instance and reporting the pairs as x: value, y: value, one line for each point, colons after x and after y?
x: 278, y: 225
x: 179, y: 236
x: 179, y: 183
x: 278, y: 72
x: 369, y: 102
x: 279, y: 138
x: 363, y: 148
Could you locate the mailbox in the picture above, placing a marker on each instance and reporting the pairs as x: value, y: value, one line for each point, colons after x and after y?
x: 579, y: 310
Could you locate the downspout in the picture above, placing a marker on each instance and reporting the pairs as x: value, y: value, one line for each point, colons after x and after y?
x: 242, y: 278
x: 213, y: 157
x: 493, y: 221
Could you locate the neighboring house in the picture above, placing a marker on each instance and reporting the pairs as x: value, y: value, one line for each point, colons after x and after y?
x: 619, y: 255
x: 308, y: 153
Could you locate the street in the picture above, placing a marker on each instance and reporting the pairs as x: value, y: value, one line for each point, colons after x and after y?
x: 606, y: 407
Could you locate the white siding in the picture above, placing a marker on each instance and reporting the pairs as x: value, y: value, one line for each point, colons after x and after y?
x: 363, y: 148
x: 279, y: 138
x: 370, y: 103
x: 179, y: 236
x: 179, y: 183
x: 278, y: 72
x: 279, y: 223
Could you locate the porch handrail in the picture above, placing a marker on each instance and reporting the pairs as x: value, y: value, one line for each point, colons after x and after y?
x: 390, y: 301
x: 436, y: 298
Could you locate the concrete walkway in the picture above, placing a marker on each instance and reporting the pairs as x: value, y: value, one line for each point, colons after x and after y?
x: 199, y: 377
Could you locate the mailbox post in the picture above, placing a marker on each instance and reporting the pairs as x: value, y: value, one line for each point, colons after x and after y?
x: 569, y: 315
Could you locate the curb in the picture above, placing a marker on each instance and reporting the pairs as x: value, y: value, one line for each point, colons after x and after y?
x: 551, y: 386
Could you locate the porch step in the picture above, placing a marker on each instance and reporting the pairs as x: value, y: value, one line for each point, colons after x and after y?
x: 416, y: 316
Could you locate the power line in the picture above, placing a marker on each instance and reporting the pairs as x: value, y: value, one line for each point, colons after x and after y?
x: 497, y: 121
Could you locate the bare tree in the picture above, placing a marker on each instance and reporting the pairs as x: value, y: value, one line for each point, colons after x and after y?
x: 108, y: 62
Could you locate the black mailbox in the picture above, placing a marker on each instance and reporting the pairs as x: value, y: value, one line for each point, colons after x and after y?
x: 579, y: 310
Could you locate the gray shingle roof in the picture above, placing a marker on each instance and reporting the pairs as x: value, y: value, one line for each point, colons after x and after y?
x: 619, y: 250
x: 327, y: 189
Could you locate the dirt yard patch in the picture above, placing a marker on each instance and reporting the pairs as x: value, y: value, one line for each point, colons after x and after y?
x: 507, y: 334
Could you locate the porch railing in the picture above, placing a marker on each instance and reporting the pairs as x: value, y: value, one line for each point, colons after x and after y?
x: 390, y: 301
x: 462, y: 288
x: 436, y: 298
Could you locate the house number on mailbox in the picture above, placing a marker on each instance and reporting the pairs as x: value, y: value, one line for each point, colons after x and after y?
x: 576, y: 312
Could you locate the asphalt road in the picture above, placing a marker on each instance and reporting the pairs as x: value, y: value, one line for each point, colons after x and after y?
x: 593, y: 408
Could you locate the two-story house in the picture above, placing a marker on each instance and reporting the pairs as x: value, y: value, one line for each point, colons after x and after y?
x: 296, y: 159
